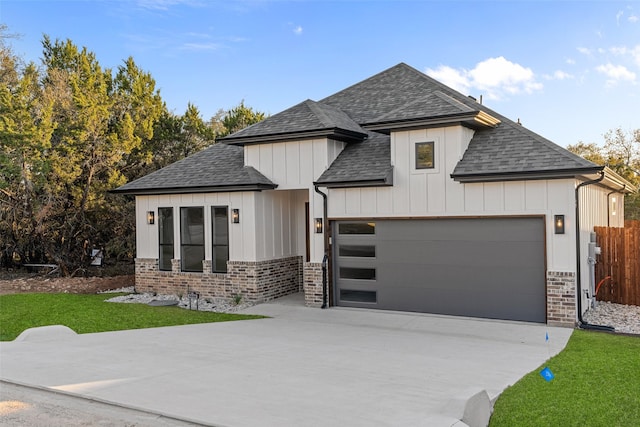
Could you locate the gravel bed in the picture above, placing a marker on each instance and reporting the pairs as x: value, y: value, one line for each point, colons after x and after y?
x: 219, y: 305
x: 624, y: 318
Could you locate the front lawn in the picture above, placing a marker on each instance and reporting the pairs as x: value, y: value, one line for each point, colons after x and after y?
x: 597, y: 383
x: 89, y: 313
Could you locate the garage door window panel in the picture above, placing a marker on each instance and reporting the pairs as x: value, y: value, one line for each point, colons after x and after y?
x: 357, y: 251
x: 357, y: 228
x: 352, y: 295
x: 356, y: 273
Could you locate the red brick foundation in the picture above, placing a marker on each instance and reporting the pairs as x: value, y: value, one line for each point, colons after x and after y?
x: 255, y: 281
x: 561, y: 298
x: 313, y: 284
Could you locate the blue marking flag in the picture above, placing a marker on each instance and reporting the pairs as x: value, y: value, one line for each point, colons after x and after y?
x: 546, y: 337
x: 547, y: 374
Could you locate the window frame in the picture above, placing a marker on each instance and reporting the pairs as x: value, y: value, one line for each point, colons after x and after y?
x: 161, y: 242
x: 417, y: 147
x: 215, y: 246
x: 184, y: 245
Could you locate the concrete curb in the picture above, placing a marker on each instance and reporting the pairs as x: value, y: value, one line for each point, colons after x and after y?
x: 473, y: 407
x: 46, y: 333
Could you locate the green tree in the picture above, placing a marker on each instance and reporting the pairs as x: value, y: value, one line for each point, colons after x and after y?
x: 67, y: 136
x: 239, y: 117
x: 620, y: 152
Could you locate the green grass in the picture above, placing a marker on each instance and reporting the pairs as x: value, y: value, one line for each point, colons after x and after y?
x: 597, y: 383
x: 89, y: 313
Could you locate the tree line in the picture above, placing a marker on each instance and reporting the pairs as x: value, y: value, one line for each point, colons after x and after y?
x: 70, y: 131
x: 621, y: 153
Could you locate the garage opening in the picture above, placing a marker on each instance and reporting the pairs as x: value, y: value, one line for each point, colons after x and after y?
x: 478, y: 267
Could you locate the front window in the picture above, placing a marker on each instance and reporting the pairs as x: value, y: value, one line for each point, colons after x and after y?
x: 165, y: 238
x: 424, y: 155
x: 192, y: 238
x: 220, y: 238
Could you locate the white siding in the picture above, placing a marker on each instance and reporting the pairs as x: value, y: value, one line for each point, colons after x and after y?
x: 293, y: 164
x: 271, y: 223
x: 429, y: 193
x: 242, y: 239
x: 596, y: 209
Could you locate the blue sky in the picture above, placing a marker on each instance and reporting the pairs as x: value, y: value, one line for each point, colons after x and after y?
x: 568, y: 70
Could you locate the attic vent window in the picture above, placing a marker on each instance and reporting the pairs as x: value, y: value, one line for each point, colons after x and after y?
x: 424, y: 155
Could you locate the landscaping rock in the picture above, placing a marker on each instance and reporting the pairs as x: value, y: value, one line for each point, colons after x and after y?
x: 163, y: 303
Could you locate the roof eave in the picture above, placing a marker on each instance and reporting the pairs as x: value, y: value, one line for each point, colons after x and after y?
x: 615, y: 180
x: 524, y: 175
x: 474, y: 119
x: 386, y: 181
x: 333, y: 133
x: 196, y: 189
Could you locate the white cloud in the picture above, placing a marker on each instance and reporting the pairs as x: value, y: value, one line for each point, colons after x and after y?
x: 456, y: 79
x: 297, y: 30
x: 633, y: 19
x: 633, y: 53
x: 201, y: 46
x: 618, y: 16
x: 559, y: 75
x: 495, y: 77
x: 570, y: 61
x: 584, y: 51
x: 616, y: 73
x: 163, y: 5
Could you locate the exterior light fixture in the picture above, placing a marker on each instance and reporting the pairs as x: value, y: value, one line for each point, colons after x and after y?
x: 558, y: 224
x: 614, y: 206
x: 318, y: 225
x: 151, y: 217
x: 235, y: 216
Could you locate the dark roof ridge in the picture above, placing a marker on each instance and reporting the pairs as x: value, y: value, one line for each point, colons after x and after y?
x: 361, y: 82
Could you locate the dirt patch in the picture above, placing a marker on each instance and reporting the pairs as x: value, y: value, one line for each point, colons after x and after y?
x: 71, y: 285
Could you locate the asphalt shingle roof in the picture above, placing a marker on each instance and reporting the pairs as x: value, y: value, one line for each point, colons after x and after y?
x: 395, y: 96
x: 512, y: 149
x: 399, y: 93
x: 361, y: 163
x: 216, y: 168
x: 305, y: 117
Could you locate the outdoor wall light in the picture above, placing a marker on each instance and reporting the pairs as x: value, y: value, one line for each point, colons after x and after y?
x: 151, y: 217
x: 614, y: 206
x: 235, y: 216
x: 559, y: 224
x: 318, y: 225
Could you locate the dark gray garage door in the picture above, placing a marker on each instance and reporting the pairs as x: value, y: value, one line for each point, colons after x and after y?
x: 480, y: 267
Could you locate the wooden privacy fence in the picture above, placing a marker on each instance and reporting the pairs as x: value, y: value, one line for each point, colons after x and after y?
x: 618, y: 266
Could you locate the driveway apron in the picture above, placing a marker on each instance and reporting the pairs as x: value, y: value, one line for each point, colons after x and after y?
x: 302, y: 366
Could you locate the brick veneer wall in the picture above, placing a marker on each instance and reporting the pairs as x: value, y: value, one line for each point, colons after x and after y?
x: 256, y: 281
x: 561, y: 298
x: 313, y: 284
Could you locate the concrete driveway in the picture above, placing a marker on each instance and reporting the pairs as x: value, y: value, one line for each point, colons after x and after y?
x: 303, y: 366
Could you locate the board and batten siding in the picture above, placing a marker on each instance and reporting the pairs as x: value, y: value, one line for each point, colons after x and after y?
x: 433, y: 193
x: 596, y: 210
x: 294, y: 165
x: 250, y: 240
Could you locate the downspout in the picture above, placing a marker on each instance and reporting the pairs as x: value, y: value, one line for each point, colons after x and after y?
x: 326, y: 247
x: 581, y: 323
